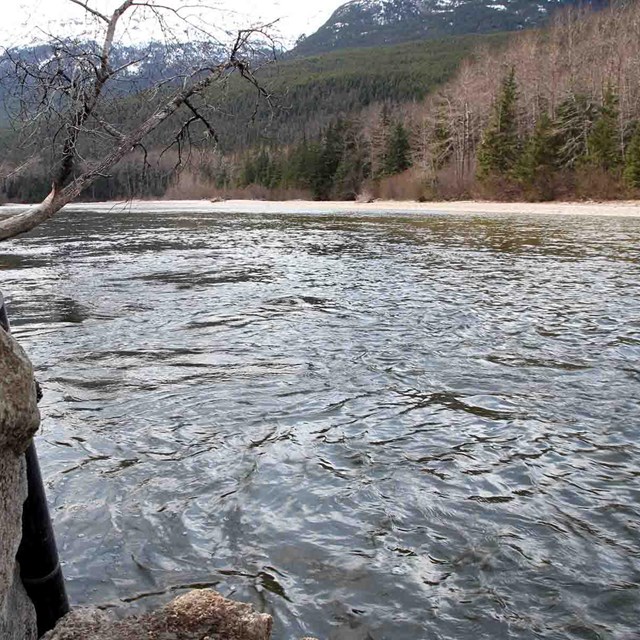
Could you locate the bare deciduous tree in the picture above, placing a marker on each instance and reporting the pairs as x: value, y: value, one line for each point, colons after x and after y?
x: 71, y: 96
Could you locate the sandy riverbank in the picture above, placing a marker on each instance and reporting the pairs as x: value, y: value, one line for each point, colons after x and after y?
x: 627, y: 209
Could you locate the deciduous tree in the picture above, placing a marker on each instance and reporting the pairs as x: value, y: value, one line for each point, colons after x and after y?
x: 67, y: 97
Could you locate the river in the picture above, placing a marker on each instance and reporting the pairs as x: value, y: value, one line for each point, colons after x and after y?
x: 382, y: 426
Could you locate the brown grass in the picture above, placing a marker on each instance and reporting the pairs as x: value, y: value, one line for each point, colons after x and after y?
x: 596, y: 184
x: 409, y: 185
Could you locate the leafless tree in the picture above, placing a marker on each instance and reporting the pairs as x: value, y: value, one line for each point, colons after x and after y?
x: 72, y: 96
x: 572, y: 61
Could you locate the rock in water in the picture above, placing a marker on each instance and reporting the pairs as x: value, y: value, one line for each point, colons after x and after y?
x: 19, y: 414
x: 198, y: 615
x: 18, y: 616
x: 19, y: 420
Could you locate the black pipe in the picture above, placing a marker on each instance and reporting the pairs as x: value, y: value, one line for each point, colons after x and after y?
x: 38, y: 555
x: 40, y: 569
x: 4, y: 319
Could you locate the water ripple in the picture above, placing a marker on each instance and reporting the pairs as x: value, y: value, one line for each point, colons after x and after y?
x: 383, y: 426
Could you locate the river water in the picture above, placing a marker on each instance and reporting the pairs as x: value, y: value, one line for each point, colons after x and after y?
x: 382, y: 426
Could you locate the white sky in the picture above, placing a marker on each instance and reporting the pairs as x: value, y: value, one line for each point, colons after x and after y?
x: 22, y: 21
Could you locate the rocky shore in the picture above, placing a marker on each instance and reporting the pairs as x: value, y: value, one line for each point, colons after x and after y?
x: 19, y: 420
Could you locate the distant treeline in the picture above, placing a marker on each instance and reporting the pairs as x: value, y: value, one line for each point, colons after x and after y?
x: 130, y: 179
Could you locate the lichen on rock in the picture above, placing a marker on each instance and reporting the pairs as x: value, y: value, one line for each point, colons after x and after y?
x: 19, y: 414
x: 198, y: 615
x: 19, y: 420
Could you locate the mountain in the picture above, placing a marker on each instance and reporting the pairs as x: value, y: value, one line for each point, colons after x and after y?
x: 27, y: 72
x: 306, y: 93
x: 344, y: 91
x: 141, y: 67
x: 365, y: 23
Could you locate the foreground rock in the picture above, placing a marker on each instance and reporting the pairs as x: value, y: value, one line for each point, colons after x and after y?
x: 199, y: 615
x: 19, y: 420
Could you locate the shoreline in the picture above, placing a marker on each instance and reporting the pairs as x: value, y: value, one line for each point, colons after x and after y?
x: 614, y: 208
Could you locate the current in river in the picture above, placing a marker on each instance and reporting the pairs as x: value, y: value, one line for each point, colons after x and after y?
x: 378, y: 426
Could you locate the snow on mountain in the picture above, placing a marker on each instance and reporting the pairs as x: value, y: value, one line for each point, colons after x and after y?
x: 361, y: 23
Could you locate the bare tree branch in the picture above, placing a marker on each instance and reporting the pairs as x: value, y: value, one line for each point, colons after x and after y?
x: 88, y: 9
x: 198, y: 116
x: 61, y: 195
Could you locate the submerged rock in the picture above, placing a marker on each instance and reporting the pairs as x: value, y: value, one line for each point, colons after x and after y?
x: 19, y: 420
x: 198, y: 615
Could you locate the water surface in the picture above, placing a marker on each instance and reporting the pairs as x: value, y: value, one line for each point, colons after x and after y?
x: 373, y: 427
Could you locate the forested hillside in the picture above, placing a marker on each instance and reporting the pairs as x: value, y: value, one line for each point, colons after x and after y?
x: 306, y: 96
x: 309, y: 93
x: 542, y: 114
x: 555, y: 114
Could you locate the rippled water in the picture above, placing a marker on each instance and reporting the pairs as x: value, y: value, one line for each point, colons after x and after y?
x: 374, y: 427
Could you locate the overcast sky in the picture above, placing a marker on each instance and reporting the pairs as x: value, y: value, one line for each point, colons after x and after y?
x: 22, y: 20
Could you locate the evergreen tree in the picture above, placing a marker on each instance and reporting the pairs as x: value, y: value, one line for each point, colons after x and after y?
x: 397, y: 156
x: 539, y: 160
x: 221, y: 178
x: 262, y: 168
x: 248, y: 172
x: 632, y: 161
x: 603, y: 141
x: 300, y: 165
x: 354, y: 165
x: 380, y: 142
x: 328, y: 161
x: 500, y: 145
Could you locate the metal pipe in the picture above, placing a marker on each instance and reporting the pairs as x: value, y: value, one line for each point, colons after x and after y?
x: 4, y: 319
x: 38, y: 555
x: 40, y: 569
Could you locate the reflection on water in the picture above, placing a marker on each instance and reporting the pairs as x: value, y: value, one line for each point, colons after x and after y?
x: 385, y: 426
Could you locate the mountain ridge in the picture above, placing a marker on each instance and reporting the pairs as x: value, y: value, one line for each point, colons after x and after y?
x: 363, y: 23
